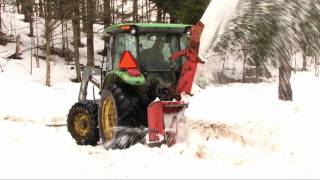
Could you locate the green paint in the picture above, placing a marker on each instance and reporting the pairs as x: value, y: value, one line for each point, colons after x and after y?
x: 116, y: 27
x: 125, y: 77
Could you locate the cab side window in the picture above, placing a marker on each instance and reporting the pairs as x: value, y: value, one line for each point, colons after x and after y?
x: 124, y: 42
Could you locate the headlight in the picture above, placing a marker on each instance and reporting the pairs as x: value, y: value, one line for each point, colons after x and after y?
x: 133, y: 30
x: 188, y: 32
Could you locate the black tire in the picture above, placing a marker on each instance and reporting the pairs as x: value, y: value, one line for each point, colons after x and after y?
x: 117, y: 111
x: 82, y: 123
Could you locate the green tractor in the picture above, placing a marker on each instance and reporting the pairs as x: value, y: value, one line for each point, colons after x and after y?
x: 142, y: 76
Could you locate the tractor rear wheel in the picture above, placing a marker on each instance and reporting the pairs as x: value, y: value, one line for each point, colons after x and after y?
x: 82, y: 123
x: 117, y: 112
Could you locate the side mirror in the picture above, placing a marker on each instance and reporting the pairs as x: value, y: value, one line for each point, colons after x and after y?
x: 104, y: 52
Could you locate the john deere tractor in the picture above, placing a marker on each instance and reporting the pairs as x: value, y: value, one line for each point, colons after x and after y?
x: 146, y: 68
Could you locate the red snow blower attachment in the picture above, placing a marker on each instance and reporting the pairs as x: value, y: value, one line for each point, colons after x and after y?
x: 159, y: 131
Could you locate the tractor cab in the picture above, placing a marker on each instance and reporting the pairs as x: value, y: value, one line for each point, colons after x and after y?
x: 141, y: 53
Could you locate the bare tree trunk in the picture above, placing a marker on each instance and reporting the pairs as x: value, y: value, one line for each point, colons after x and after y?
x: 135, y: 11
x: 17, y: 54
x: 244, y: 66
x: 18, y: 4
x: 316, y: 65
x: 76, y: 36
x: 113, y: 5
x: 31, y: 17
x: 48, y: 38
x: 0, y: 16
x: 41, y: 8
x: 122, y: 10
x: 304, y: 65
x: 67, y: 43
x: 258, y: 71
x: 148, y: 10
x: 84, y: 14
x: 223, y: 65
x: 37, y: 49
x: 107, y: 13
x: 284, y: 87
x: 63, y: 37
x: 26, y: 8
x: 304, y: 56
x: 164, y: 14
x: 159, y: 15
x: 173, y: 19
x: 90, y: 22
x: 23, y: 6
x: 141, y: 19
x: 31, y: 55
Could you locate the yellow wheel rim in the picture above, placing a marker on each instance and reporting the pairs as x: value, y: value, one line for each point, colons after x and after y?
x: 108, y: 118
x: 81, y: 124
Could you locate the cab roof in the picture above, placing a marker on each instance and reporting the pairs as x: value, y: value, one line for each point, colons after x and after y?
x: 149, y: 27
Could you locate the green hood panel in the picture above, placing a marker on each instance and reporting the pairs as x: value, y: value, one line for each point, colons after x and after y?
x: 129, y: 79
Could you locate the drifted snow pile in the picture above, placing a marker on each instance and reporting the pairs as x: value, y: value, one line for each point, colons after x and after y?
x: 247, y: 127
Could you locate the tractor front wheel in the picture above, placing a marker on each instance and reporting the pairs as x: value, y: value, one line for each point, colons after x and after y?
x: 82, y: 123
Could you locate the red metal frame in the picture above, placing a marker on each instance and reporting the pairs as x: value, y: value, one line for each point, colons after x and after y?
x: 157, y: 109
x: 190, y: 66
x: 156, y: 112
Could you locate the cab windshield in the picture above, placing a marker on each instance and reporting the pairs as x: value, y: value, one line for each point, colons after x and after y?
x: 152, y: 50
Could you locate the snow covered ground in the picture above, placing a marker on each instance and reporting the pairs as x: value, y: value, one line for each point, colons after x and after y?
x: 231, y: 131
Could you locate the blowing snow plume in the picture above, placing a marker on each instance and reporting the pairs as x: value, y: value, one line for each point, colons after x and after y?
x: 216, y: 19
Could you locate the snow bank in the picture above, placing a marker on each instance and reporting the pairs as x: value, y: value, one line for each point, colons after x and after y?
x: 31, y: 101
x: 246, y: 125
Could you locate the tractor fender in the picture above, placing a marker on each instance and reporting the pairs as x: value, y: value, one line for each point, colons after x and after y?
x: 123, y: 76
